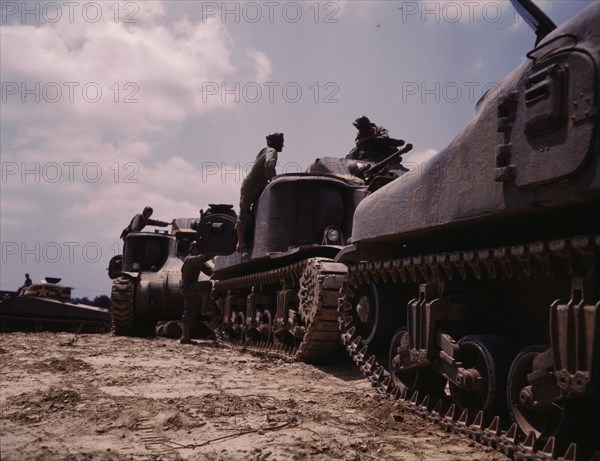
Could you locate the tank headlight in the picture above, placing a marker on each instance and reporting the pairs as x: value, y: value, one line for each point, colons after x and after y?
x: 136, y: 266
x: 332, y: 235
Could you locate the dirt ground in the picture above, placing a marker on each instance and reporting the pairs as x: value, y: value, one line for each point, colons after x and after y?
x: 100, y: 398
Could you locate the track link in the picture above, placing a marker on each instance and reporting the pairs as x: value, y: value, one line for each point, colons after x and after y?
x: 122, y: 307
x: 495, y: 262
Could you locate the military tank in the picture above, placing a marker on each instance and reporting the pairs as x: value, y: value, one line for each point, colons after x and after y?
x: 146, y: 279
x: 475, y: 295
x: 283, y: 296
x: 48, y: 306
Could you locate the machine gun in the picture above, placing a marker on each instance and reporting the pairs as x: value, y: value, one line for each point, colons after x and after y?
x: 370, y: 171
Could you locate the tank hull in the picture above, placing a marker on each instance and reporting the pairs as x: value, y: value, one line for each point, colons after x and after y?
x: 283, y: 296
x: 474, y: 279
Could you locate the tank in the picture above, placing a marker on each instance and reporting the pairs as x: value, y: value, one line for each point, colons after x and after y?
x: 475, y: 281
x: 146, y: 279
x: 47, y: 306
x: 284, y: 294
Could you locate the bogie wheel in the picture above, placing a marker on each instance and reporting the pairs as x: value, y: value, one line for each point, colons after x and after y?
x: 542, y: 421
x: 422, y: 379
x: 567, y: 420
x: 374, y: 311
x: 490, y: 357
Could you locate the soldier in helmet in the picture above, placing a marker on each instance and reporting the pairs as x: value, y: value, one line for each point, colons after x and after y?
x: 142, y: 220
x: 372, y: 142
x: 190, y: 289
x: 253, y: 185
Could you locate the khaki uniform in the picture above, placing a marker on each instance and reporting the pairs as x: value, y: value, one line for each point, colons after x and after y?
x: 253, y: 185
x: 190, y: 286
x: 139, y: 222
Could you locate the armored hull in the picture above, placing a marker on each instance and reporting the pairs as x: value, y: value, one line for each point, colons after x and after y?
x: 475, y: 279
x: 283, y: 296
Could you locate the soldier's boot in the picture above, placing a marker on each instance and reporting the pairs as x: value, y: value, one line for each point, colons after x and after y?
x: 186, y: 338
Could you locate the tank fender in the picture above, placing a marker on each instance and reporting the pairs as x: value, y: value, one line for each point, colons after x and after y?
x: 115, y: 266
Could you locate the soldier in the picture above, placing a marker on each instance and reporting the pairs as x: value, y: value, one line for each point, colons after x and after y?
x: 26, y: 284
x: 142, y: 220
x: 372, y: 142
x: 190, y: 289
x: 253, y: 185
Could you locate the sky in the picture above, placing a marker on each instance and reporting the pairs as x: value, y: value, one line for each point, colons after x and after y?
x: 110, y: 106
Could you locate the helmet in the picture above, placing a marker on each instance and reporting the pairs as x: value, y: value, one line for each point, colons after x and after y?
x: 362, y: 122
x: 148, y: 209
x: 274, y: 138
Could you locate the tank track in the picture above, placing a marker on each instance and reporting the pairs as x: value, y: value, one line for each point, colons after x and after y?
x: 121, y: 307
x: 494, y: 261
x: 313, y: 323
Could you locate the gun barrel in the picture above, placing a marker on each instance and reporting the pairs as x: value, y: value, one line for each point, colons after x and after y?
x: 381, y: 165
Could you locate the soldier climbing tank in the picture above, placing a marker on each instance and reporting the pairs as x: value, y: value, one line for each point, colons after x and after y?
x: 481, y: 288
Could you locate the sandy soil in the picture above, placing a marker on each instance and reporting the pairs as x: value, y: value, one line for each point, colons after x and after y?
x: 100, y: 398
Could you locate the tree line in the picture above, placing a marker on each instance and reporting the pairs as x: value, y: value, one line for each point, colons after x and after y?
x: 102, y: 301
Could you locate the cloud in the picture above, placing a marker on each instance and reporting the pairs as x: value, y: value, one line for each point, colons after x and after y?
x: 82, y: 99
x: 175, y: 188
x: 124, y: 76
x: 418, y: 157
x: 83, y: 104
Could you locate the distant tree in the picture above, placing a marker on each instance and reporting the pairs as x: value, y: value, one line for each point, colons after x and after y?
x: 84, y: 300
x: 102, y: 301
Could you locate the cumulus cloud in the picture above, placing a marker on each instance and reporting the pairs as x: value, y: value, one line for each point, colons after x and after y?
x: 114, y: 73
x: 82, y: 101
x: 175, y: 188
x: 91, y: 92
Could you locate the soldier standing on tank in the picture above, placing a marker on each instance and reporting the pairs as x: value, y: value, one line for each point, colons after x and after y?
x: 253, y: 185
x: 191, y: 288
x: 372, y: 142
x: 142, y: 220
